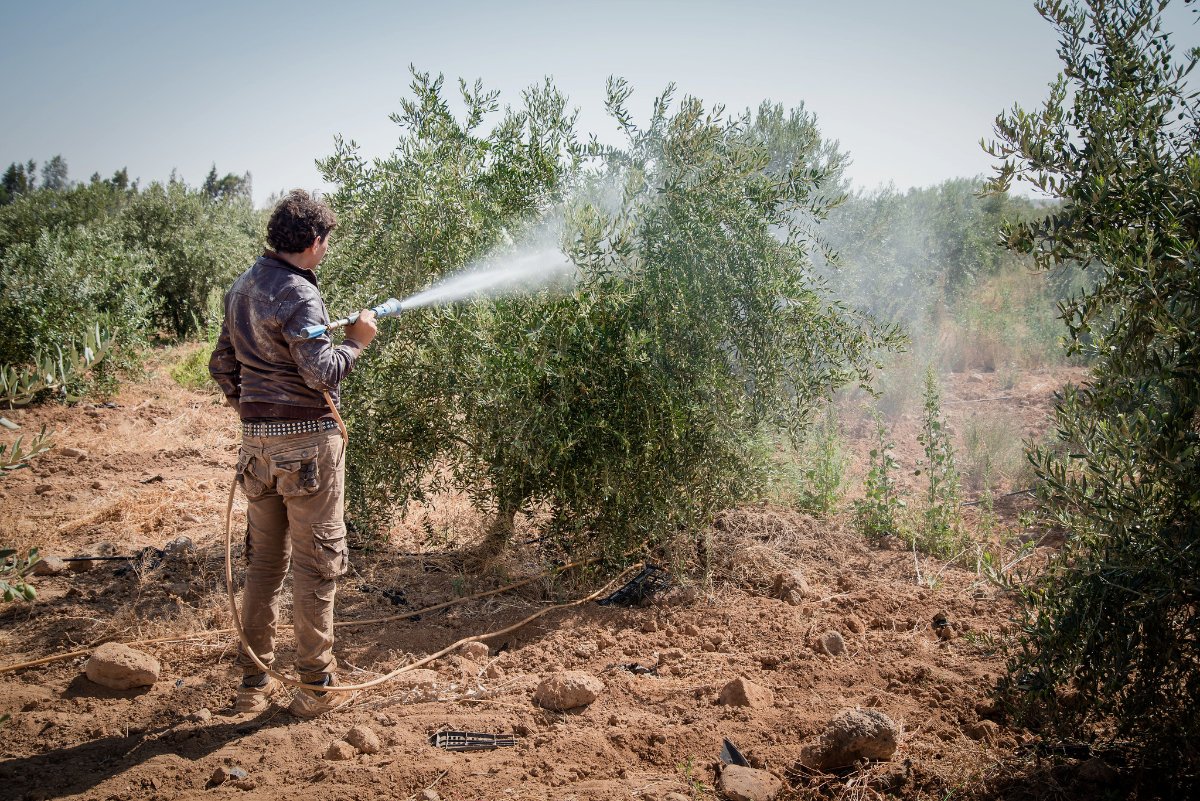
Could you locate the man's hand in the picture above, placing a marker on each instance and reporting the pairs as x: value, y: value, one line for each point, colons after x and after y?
x: 363, y: 329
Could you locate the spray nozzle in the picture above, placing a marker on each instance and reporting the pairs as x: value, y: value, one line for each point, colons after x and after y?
x: 389, y: 308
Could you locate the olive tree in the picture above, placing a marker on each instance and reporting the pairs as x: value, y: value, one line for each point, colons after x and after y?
x: 1113, y: 623
x: 632, y: 404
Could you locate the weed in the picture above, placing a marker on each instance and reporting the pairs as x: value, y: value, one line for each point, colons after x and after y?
x: 940, y: 532
x: 876, y: 513
x: 823, y: 470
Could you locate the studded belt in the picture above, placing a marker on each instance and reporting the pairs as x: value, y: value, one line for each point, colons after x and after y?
x: 280, y: 429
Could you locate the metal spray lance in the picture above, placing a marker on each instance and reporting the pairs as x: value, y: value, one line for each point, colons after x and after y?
x: 389, y: 308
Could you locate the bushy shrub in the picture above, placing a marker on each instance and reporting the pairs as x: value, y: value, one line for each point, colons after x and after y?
x: 196, y: 245
x: 54, y: 289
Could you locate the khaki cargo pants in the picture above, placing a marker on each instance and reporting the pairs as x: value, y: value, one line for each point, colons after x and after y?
x: 295, y: 485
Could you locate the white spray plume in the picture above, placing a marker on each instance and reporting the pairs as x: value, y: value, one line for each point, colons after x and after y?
x: 523, y: 270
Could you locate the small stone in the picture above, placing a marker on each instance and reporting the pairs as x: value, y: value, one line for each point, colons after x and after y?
x: 97, y: 485
x: 106, y: 549
x: 831, y: 644
x: 853, y: 734
x: 650, y: 626
x: 493, y: 671
x: 180, y: 547
x: 689, y: 629
x: 340, y: 751
x: 202, y: 715
x: 121, y: 668
x: 748, y: 784
x: 790, y: 587
x: 429, y: 794
x: 743, y: 692
x: 854, y: 625
x: 476, y: 651
x: 74, y: 453
x: 188, y: 517
x: 49, y: 566
x: 985, y: 731
x: 222, y: 774
x: 568, y: 690
x: 44, y: 489
x: 364, y: 739
x: 676, y: 797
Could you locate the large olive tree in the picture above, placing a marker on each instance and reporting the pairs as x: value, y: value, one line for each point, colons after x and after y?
x: 635, y: 402
x: 1113, y: 625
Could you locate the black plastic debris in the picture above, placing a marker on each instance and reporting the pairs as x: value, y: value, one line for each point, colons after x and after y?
x: 653, y: 579
x: 730, y: 755
x: 640, y: 670
x: 470, y: 741
x: 397, y: 597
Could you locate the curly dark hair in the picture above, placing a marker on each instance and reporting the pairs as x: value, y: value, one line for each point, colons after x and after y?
x: 297, y: 220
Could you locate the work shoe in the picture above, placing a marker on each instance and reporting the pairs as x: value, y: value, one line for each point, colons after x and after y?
x: 254, y: 693
x: 313, y: 703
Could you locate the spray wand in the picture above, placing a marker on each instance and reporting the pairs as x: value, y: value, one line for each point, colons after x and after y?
x: 389, y: 308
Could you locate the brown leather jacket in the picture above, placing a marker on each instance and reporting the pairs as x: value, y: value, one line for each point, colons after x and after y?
x: 262, y: 360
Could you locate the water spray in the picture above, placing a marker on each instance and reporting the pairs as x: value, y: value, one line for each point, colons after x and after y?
x: 486, y: 279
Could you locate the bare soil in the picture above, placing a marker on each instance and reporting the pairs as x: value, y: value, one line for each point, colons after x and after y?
x: 156, y: 464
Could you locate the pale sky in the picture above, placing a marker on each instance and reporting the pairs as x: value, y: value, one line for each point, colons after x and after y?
x: 908, y: 88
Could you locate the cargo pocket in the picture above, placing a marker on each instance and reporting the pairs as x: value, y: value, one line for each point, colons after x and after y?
x: 296, y: 472
x: 252, y: 485
x: 332, y: 553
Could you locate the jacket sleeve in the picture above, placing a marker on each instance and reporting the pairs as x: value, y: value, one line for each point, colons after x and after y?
x: 223, y: 365
x: 321, y: 365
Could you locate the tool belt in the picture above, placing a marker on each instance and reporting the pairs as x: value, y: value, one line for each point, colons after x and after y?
x: 291, y: 427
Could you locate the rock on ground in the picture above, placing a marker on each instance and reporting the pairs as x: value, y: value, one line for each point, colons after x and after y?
x: 364, y: 739
x: 747, y: 784
x: 475, y: 651
x: 853, y: 734
x: 831, y: 644
x: 122, y: 668
x: 743, y: 692
x: 568, y: 690
x: 49, y: 566
x: 340, y: 750
x: 790, y: 587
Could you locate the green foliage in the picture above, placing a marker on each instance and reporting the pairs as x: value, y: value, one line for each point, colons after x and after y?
x: 876, y: 514
x: 66, y: 280
x: 627, y: 405
x: 195, y: 245
x: 823, y: 461
x: 1115, y: 618
x: 61, y: 375
x: 940, y: 532
x: 13, y: 570
x: 18, y: 454
x: 104, y: 253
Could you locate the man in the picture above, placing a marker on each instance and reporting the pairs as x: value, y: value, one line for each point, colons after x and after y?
x: 292, y: 460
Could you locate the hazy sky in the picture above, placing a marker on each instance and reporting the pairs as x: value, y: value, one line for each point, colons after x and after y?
x: 908, y: 88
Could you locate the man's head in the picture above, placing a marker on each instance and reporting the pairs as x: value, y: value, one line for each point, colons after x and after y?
x: 298, y: 221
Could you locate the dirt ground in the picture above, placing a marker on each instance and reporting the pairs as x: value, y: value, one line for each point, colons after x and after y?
x: 156, y: 463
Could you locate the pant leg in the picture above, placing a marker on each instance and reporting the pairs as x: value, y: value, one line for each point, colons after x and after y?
x: 268, y: 552
x: 313, y: 490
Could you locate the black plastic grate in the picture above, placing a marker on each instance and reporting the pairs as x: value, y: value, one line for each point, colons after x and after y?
x: 470, y: 741
x: 653, y: 579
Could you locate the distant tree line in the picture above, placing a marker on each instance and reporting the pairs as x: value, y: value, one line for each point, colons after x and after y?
x: 144, y: 262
